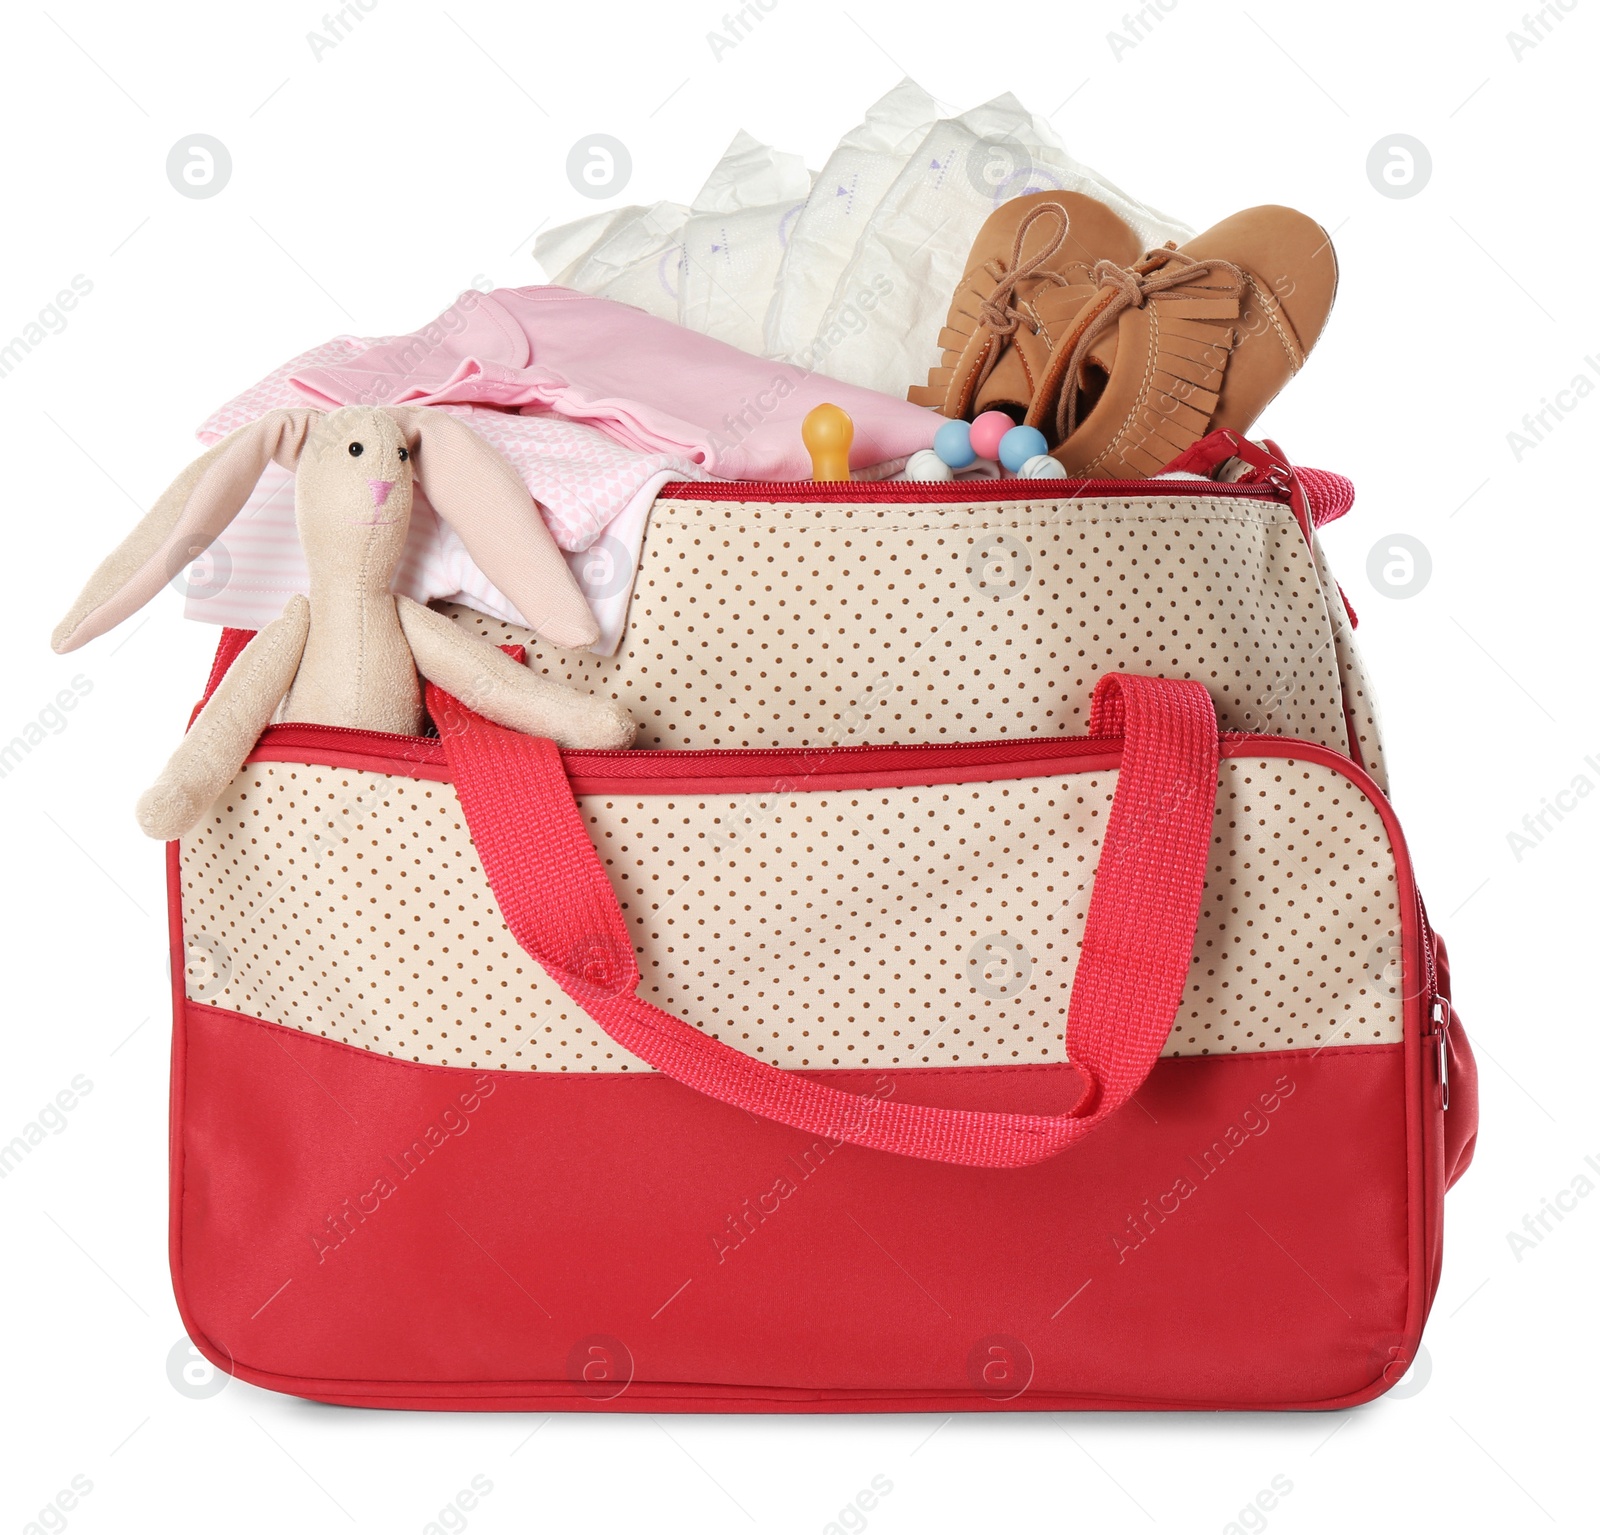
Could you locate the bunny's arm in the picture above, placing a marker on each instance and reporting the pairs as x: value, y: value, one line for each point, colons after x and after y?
x: 210, y: 756
x: 488, y: 681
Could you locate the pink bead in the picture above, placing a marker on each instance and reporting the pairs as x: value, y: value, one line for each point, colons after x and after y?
x: 987, y: 431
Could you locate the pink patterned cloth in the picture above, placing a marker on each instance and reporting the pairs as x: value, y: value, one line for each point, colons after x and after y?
x: 595, y: 404
x: 581, y: 477
x: 595, y: 494
x: 654, y: 385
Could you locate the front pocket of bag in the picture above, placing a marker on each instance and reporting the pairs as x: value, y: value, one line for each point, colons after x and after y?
x: 569, y: 1202
x: 903, y: 908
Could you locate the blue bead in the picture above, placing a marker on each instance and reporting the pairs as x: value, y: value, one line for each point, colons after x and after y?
x: 1019, y: 445
x: 953, y: 443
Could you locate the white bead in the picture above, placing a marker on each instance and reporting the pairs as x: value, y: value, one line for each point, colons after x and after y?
x: 925, y: 464
x: 1043, y: 467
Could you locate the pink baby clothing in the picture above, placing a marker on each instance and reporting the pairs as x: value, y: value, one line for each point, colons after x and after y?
x: 595, y: 404
x: 581, y: 477
x: 595, y: 495
x: 650, y: 384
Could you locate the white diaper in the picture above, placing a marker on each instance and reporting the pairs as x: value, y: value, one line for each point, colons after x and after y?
x: 561, y: 252
x: 851, y: 185
x: 733, y: 241
x: 853, y: 280
x: 637, y: 262
x: 882, y: 328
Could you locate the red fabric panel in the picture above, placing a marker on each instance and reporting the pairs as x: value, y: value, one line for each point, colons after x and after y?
x: 563, y: 1220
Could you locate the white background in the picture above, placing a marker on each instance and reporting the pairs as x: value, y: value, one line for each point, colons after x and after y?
x: 421, y: 153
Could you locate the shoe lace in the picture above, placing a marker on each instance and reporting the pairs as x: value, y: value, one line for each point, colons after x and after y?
x: 999, y: 310
x: 1122, y: 289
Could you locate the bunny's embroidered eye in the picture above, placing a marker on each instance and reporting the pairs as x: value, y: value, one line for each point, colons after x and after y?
x: 405, y: 453
x: 356, y: 450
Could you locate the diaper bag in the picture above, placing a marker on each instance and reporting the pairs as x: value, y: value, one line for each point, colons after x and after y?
x: 997, y: 982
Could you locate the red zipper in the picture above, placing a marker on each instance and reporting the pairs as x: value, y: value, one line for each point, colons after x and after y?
x: 670, y: 762
x: 844, y: 492
x: 764, y: 762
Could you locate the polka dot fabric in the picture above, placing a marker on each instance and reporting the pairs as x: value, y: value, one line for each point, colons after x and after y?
x: 812, y: 624
x: 886, y: 927
x: 352, y: 905
x: 1360, y: 703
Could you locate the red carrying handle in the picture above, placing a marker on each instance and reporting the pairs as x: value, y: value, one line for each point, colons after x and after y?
x: 1138, y: 937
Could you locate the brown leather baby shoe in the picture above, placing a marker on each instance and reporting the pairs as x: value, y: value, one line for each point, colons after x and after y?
x: 1189, y: 340
x: 1031, y: 270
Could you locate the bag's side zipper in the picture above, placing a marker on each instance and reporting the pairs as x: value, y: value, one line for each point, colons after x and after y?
x: 1436, y: 1007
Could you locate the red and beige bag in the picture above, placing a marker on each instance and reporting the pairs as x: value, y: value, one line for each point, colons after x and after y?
x: 1010, y: 991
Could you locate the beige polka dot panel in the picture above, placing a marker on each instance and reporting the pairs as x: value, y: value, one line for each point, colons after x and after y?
x: 808, y: 625
x: 1361, y: 705
x: 933, y: 926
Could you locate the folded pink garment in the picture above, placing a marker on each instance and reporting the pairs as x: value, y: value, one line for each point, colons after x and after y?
x: 653, y: 385
x: 595, y: 495
x: 581, y: 476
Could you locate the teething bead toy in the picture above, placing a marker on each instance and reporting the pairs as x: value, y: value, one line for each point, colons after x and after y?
x: 1043, y: 467
x: 827, y: 432
x: 925, y: 464
x: 987, y: 431
x: 1019, y: 445
x: 953, y: 443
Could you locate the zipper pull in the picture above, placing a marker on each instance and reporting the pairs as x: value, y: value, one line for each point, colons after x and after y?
x: 1218, y: 448
x: 1269, y: 465
x: 1263, y: 463
x: 1317, y: 496
x: 1439, y: 1013
x: 1334, y: 495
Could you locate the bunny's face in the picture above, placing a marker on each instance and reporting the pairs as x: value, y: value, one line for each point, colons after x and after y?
x: 353, y: 484
x: 352, y: 496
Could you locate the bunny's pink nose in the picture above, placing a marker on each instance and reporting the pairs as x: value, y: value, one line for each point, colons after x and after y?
x: 380, y: 490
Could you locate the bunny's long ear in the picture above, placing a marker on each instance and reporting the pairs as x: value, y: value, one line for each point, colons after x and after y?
x: 483, y: 498
x: 193, y: 510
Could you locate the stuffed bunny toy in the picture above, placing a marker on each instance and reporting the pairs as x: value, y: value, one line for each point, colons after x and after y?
x: 352, y: 653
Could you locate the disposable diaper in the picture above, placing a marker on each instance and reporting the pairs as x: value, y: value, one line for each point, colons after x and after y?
x: 733, y: 241
x: 881, y: 329
x: 638, y: 261
x: 820, y: 240
x: 849, y: 274
x: 562, y: 251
